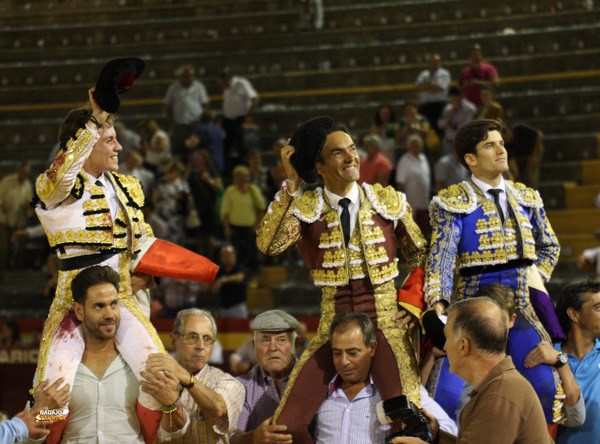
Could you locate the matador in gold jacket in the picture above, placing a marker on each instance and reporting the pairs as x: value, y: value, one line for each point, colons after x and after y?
x: 355, y: 271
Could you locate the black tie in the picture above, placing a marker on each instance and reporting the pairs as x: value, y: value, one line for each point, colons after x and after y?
x: 495, y: 192
x: 99, y: 184
x: 345, y: 217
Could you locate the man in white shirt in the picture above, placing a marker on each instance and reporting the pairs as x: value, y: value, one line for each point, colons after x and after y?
x: 348, y: 415
x: 185, y: 101
x: 240, y: 100
x: 433, y: 83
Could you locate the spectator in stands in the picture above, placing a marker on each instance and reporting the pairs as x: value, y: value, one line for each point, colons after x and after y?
x: 231, y: 286
x: 413, y: 177
x: 303, y: 341
x: 11, y: 335
x: 205, y: 185
x: 489, y: 108
x: 242, y: 208
x: 277, y: 172
x: 240, y: 100
x: 156, y: 145
x: 259, y: 174
x: 275, y: 342
x: 411, y: 123
x: 172, y: 200
x: 16, y: 191
x: 375, y: 168
x: 208, y: 136
x: 128, y: 138
x: 477, y: 74
x: 132, y: 165
x: 579, y: 315
x: 433, y: 83
x: 243, y: 359
x: 175, y: 295
x: 458, y: 112
x: 525, y: 145
x: 448, y: 171
x: 503, y: 407
x: 208, y: 408
x: 350, y: 408
x: 385, y: 126
x: 185, y: 101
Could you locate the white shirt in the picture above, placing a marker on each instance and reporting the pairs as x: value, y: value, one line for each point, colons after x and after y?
x: 441, y: 77
x: 186, y: 103
x: 237, y: 97
x: 414, y: 175
x: 354, y: 196
x: 109, y: 193
x: 103, y: 411
x: 486, y: 187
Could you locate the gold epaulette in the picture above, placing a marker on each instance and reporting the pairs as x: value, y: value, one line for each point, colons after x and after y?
x: 309, y: 206
x: 132, y: 188
x: 525, y: 196
x: 386, y: 200
x: 459, y: 198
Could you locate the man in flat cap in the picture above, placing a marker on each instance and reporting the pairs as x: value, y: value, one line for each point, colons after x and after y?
x: 275, y: 342
x: 348, y: 235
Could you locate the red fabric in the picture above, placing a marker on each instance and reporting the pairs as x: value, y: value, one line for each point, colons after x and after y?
x: 552, y: 429
x: 149, y: 422
x: 169, y: 260
x: 412, y: 290
x: 56, y: 431
x: 126, y: 80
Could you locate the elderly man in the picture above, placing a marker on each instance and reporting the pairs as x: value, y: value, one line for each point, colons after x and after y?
x: 504, y: 407
x: 348, y: 415
x: 275, y: 341
x: 211, y: 402
x: 349, y: 237
x: 433, y: 83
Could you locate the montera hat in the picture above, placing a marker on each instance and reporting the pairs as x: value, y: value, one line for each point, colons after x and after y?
x: 308, y: 141
x: 116, y: 78
x: 274, y: 320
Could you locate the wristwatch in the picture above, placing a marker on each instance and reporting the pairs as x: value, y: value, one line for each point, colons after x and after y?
x: 561, y: 360
x: 193, y: 382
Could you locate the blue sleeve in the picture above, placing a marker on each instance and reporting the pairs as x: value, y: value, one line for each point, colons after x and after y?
x: 13, y: 430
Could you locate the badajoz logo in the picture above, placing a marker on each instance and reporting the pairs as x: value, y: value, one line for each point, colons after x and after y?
x: 52, y: 415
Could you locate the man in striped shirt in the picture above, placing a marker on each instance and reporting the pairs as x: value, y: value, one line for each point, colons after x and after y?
x: 211, y: 401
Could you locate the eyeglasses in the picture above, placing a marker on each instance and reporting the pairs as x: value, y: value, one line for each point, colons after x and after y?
x: 193, y: 338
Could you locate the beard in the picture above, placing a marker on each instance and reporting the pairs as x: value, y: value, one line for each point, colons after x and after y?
x: 97, y: 330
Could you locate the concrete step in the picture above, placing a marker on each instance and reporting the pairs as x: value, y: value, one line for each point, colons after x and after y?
x: 573, y: 244
x: 590, y: 171
x: 574, y: 221
x: 581, y: 196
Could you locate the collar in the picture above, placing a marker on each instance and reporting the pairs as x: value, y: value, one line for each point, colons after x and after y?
x: 503, y: 366
x: 264, y: 377
x: 353, y: 195
x: 484, y: 187
x: 336, y: 383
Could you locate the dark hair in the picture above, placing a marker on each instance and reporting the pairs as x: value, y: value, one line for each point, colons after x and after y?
x: 15, y: 333
x: 360, y: 319
x: 487, y: 332
x: 469, y: 135
x: 338, y: 126
x: 573, y: 296
x: 486, y: 88
x: 377, y: 119
x: 503, y: 295
x: 91, y: 276
x: 75, y: 120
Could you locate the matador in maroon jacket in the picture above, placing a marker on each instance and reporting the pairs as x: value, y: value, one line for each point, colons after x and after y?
x: 348, y: 235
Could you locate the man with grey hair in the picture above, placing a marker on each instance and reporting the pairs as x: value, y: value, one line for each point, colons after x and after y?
x: 275, y: 341
x: 376, y: 167
x: 504, y: 407
x: 211, y: 402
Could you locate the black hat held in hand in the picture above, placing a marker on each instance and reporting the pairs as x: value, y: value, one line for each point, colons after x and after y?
x: 116, y: 77
x: 308, y: 141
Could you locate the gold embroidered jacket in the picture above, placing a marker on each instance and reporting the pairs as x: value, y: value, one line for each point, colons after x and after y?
x: 468, y: 232
x: 311, y: 223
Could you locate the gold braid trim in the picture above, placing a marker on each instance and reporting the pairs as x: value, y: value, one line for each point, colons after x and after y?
x: 386, y: 306
x: 320, y: 339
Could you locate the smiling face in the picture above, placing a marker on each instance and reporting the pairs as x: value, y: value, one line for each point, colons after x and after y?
x: 275, y: 352
x: 351, y: 357
x: 193, y: 357
x: 105, y: 154
x: 340, y: 164
x: 99, y: 312
x: 491, y: 160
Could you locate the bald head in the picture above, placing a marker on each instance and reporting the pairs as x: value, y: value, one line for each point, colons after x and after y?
x: 481, y: 321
